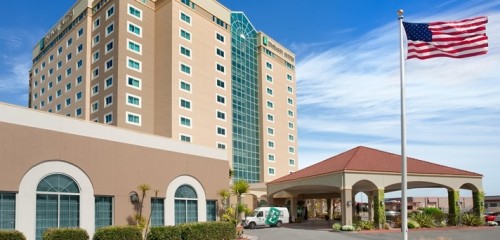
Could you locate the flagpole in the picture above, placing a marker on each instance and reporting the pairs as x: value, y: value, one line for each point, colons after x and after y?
x: 404, y: 199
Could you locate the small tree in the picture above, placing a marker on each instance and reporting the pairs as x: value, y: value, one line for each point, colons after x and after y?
x: 239, y: 188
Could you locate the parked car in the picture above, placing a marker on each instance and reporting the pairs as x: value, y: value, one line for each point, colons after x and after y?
x: 391, y: 215
x: 497, y: 219
x: 491, y: 216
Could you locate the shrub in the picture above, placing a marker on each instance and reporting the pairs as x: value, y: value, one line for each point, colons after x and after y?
x: 65, y: 233
x: 412, y: 224
x: 208, y: 230
x: 336, y: 227
x: 348, y: 228
x: 492, y: 223
x: 470, y: 219
x: 164, y: 233
x: 438, y: 215
x: 424, y: 220
x: 118, y: 233
x: 365, y: 225
x: 11, y: 235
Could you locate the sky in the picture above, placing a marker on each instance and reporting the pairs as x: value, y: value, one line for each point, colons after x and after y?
x: 348, y: 84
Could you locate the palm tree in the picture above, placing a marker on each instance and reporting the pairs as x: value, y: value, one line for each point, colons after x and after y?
x: 224, y: 196
x: 239, y: 188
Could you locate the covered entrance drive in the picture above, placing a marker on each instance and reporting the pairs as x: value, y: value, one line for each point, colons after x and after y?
x: 374, y: 173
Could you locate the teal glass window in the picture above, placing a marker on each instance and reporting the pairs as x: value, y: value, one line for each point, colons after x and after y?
x: 134, y: 12
x: 134, y: 47
x: 186, y: 18
x: 211, y: 210
x: 185, y: 51
x: 7, y: 211
x: 134, y: 64
x: 186, y: 205
x: 185, y: 138
x: 220, y: 37
x: 185, y: 104
x: 103, y: 211
x: 132, y: 118
x: 185, y: 34
x: 269, y: 78
x: 270, y: 131
x: 57, y: 203
x: 108, y: 118
x: 270, y: 104
x: 221, y: 68
x: 185, y: 68
x: 185, y: 86
x: 134, y: 29
x: 289, y: 77
x: 221, y: 115
x: 269, y: 91
x: 221, y: 84
x: 108, y: 83
x: 157, y: 212
x: 185, y: 121
x: 133, y: 82
x: 133, y: 100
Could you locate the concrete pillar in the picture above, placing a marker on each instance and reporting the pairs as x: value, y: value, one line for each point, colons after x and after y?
x: 346, y: 195
x: 293, y: 208
x: 270, y: 201
x: 370, y: 207
x: 329, y: 208
x: 378, y: 208
x: 454, y: 207
x: 478, y: 203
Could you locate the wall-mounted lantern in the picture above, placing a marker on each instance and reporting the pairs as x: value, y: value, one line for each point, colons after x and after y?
x: 134, y: 197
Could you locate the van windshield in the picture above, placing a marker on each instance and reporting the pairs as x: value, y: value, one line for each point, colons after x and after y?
x: 254, y: 214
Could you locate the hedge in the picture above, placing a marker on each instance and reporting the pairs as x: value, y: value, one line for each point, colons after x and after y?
x: 118, y: 233
x: 165, y: 233
x: 11, y: 235
x: 65, y: 233
x: 194, y: 231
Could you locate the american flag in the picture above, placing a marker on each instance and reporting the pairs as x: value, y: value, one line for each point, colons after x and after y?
x: 457, y: 39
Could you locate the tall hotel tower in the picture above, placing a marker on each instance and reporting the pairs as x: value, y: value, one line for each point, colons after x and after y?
x: 190, y: 70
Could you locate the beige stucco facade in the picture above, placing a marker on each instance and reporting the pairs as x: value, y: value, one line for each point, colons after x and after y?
x: 103, y: 161
x: 165, y: 68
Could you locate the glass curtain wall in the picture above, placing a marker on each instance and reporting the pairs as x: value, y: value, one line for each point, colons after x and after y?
x: 245, y: 95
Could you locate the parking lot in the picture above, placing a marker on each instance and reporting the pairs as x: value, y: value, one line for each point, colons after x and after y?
x: 321, y: 230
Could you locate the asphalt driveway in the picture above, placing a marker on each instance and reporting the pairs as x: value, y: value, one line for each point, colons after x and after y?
x: 304, y: 232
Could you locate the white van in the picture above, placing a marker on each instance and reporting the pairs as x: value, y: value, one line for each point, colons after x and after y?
x: 267, y: 216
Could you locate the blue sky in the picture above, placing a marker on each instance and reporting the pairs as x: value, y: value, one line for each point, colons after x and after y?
x: 347, y: 77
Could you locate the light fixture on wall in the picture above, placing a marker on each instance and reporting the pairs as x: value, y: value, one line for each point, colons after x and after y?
x: 134, y: 197
x: 348, y: 203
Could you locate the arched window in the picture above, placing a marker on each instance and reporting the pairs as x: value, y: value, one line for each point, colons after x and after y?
x: 57, y: 203
x: 186, y: 205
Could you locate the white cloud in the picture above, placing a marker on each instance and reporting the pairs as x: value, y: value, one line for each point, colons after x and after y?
x: 349, y: 95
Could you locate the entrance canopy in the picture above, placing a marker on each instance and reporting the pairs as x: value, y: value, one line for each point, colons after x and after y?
x: 371, y: 171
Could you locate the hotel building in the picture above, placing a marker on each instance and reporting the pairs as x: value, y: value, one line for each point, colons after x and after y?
x: 189, y: 70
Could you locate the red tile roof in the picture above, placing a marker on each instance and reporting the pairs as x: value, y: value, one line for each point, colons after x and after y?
x: 366, y: 159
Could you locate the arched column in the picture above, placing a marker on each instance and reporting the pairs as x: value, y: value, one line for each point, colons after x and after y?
x: 346, y: 195
x: 478, y: 203
x: 453, y: 206
x: 370, y: 206
x: 378, y: 208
